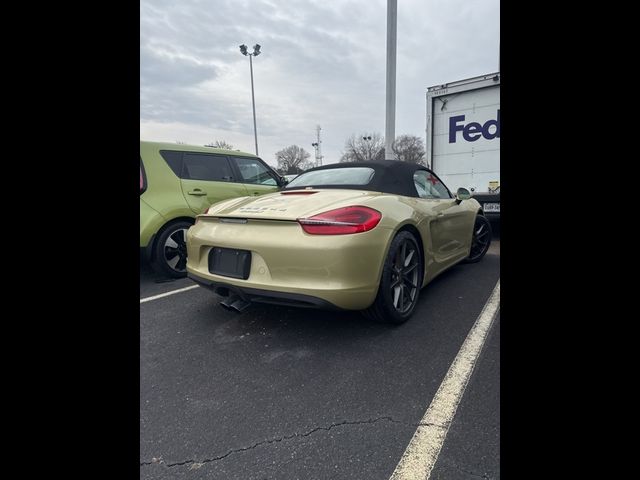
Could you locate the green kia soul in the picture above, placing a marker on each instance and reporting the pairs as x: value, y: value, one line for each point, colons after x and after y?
x: 178, y: 182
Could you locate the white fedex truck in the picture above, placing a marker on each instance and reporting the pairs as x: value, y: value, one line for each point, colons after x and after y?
x: 463, y: 137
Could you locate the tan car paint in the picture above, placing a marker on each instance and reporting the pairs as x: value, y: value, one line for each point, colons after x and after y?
x: 344, y: 270
x: 291, y: 206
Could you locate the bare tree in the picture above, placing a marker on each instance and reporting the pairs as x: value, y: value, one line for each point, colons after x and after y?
x: 220, y: 144
x: 292, y: 159
x: 362, y: 148
x: 409, y: 148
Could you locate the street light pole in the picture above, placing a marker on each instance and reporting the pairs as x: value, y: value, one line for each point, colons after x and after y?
x: 253, y: 103
x: 367, y: 142
x: 256, y: 52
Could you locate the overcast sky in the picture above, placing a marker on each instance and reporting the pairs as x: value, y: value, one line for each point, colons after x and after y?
x: 322, y: 63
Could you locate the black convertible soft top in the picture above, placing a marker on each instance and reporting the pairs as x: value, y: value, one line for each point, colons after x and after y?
x: 391, y: 176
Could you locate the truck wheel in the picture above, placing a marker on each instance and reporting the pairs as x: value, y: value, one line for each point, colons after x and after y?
x: 481, y: 239
x: 170, y: 250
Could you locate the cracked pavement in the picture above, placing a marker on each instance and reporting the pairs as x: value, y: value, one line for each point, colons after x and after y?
x: 285, y: 437
x: 279, y: 393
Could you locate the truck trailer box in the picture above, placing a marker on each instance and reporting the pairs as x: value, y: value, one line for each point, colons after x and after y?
x: 463, y: 137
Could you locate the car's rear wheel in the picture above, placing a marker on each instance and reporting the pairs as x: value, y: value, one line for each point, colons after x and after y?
x: 400, y: 282
x: 170, y: 250
x: 480, y: 240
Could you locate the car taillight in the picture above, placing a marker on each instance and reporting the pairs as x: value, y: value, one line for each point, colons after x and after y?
x: 143, y: 178
x: 341, y: 221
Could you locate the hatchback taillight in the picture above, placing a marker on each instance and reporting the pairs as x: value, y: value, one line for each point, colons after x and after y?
x: 341, y: 221
x: 143, y: 178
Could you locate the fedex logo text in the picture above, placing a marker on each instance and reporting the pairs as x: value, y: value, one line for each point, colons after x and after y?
x: 473, y: 130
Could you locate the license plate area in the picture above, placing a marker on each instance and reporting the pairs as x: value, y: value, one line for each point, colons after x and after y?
x: 230, y: 262
x: 491, y: 207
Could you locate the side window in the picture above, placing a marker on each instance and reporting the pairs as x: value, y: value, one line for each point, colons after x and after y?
x: 254, y: 171
x: 429, y: 186
x: 201, y: 166
x: 173, y: 159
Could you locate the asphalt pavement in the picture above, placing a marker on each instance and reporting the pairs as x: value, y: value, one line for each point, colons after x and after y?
x: 285, y: 393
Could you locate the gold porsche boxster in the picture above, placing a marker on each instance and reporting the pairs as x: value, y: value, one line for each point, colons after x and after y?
x: 357, y: 236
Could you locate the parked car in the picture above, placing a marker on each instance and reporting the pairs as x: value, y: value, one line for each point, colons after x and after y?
x: 356, y: 236
x: 177, y: 182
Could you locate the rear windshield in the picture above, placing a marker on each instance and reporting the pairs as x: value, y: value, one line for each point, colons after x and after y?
x: 336, y: 176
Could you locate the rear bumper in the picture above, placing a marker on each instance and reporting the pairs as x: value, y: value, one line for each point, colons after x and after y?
x: 256, y: 295
x: 342, y: 271
x: 150, y: 223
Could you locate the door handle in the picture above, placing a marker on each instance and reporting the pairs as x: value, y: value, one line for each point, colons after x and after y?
x: 440, y: 214
x: 197, y: 192
x: 255, y: 193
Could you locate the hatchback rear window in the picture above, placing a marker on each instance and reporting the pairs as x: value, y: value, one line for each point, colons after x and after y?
x: 174, y: 160
x: 336, y: 176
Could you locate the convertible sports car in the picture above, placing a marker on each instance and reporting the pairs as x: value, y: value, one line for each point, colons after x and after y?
x: 356, y: 236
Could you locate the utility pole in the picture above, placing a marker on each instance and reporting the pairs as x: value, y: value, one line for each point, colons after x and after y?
x: 316, y: 145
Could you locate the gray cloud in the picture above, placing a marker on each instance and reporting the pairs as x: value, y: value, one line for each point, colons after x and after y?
x: 158, y: 69
x: 322, y: 63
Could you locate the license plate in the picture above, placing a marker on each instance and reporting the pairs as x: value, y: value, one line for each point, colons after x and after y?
x: 230, y: 262
x: 491, y: 207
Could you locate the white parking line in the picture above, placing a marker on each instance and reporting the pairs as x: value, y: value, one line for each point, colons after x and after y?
x: 148, y: 299
x: 423, y: 450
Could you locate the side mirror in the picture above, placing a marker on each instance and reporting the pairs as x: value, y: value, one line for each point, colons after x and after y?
x: 462, y: 194
x: 283, y: 182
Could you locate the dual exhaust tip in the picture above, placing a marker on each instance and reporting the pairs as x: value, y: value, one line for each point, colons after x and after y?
x: 235, y: 304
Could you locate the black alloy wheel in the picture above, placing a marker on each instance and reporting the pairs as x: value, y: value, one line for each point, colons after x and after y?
x: 404, y: 276
x: 480, y: 240
x: 400, y: 283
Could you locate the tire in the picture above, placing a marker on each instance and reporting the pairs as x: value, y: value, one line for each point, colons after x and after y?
x: 398, y: 295
x: 480, y: 241
x: 170, y: 250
